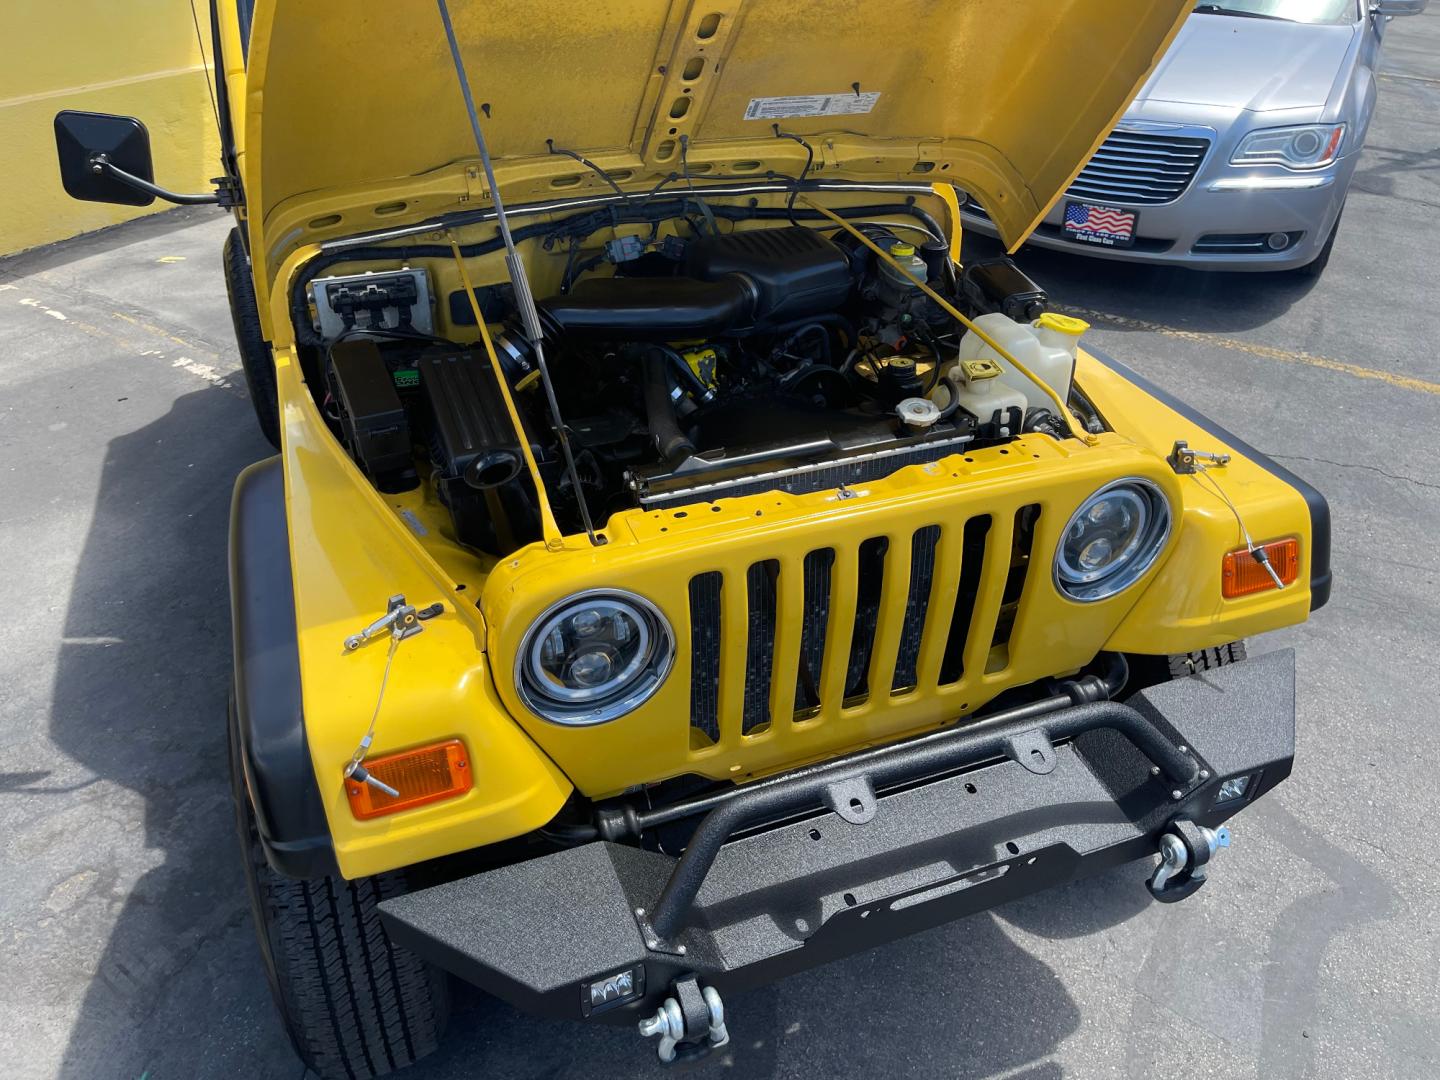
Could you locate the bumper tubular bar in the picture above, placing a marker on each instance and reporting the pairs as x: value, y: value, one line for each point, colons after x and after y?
x: 558, y: 934
x: 1016, y: 733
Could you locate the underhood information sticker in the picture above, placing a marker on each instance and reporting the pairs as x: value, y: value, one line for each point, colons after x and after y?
x: 845, y: 103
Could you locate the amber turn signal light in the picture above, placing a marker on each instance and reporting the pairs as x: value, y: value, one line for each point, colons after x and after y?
x: 424, y: 775
x: 1242, y: 574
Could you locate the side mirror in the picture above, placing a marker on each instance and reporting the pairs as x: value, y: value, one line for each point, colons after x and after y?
x: 1386, y: 9
x: 87, y: 141
x: 105, y: 158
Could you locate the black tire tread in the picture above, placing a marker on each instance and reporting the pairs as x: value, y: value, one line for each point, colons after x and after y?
x: 255, y: 353
x: 354, y: 1005
x: 1192, y: 663
x: 1316, y: 266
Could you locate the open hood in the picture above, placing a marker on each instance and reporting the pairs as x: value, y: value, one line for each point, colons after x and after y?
x: 354, y: 109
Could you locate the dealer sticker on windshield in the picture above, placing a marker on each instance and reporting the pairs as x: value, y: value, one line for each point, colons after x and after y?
x: 845, y: 103
x: 1108, y: 226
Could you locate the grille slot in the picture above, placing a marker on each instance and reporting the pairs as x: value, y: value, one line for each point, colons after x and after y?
x: 1140, y: 168
x: 869, y: 584
x: 815, y: 619
x: 705, y: 653
x: 1022, y: 539
x: 917, y: 604
x: 972, y: 559
x: 760, y: 650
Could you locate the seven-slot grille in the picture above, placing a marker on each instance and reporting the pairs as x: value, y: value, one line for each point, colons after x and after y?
x: 1136, y: 167
x: 895, y: 615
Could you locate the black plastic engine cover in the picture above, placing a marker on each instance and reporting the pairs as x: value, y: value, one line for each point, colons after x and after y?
x: 796, y: 271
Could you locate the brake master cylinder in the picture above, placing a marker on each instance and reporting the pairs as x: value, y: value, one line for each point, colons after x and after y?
x: 899, y: 285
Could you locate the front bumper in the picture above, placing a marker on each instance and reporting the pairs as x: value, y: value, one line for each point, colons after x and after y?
x: 965, y: 819
x: 1183, y: 232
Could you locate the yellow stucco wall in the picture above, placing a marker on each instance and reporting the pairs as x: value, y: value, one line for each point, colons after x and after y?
x: 136, y: 57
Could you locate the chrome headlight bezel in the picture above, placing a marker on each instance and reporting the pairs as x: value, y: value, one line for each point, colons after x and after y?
x: 626, y: 692
x: 1286, y: 146
x: 1137, y: 556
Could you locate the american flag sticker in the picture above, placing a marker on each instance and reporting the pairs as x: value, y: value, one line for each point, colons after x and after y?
x: 1108, y: 225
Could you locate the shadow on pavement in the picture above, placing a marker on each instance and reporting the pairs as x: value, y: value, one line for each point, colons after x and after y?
x: 139, y: 698
x: 959, y: 1001
x: 92, y: 245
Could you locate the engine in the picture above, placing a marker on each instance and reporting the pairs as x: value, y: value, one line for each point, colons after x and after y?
x: 729, y: 364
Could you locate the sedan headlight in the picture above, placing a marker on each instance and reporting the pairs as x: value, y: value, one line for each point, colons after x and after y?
x: 594, y: 657
x: 1310, y: 146
x: 1113, y: 538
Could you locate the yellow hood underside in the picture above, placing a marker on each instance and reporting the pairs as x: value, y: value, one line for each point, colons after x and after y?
x: 1005, y: 99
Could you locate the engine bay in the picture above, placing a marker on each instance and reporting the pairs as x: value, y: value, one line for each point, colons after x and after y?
x: 723, y: 355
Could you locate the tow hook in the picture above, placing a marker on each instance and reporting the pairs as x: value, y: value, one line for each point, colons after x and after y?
x: 690, y: 1024
x: 1185, y: 853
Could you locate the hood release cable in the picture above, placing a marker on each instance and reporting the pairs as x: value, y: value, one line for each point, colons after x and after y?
x: 402, y: 620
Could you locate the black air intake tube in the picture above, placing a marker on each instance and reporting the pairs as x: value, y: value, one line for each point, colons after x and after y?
x: 672, y: 443
x: 655, y: 309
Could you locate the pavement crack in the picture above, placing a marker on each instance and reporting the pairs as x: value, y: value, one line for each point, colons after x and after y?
x: 1357, y: 465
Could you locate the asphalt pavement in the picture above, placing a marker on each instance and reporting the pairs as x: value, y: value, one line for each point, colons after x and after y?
x: 125, y: 942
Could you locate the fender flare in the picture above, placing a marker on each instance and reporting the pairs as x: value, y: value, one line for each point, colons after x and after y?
x: 266, y: 702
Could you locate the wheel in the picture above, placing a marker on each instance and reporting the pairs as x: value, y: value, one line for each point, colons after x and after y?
x: 255, y: 355
x: 353, y: 1004
x: 1316, y: 266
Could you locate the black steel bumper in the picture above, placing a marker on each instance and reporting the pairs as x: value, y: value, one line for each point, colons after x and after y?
x: 916, y: 834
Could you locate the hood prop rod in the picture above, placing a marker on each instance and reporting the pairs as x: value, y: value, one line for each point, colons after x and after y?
x: 524, y: 298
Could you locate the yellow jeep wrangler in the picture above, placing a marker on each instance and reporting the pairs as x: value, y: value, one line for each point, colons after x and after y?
x: 678, y: 568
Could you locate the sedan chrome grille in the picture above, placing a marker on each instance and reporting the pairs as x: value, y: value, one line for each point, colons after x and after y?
x: 1140, y: 168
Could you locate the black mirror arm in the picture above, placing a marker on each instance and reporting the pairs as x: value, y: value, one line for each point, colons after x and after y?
x: 100, y: 163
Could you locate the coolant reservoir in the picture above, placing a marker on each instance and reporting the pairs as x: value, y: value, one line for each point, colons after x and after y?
x: 1046, y: 348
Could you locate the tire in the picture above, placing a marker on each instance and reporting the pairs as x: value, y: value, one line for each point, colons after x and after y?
x: 255, y: 353
x: 1316, y: 266
x: 354, y: 1005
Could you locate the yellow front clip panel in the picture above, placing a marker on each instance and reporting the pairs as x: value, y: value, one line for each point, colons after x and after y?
x: 1182, y: 609
x: 350, y: 552
x: 657, y: 554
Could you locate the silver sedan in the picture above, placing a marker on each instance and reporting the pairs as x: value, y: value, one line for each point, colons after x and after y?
x: 1237, y: 153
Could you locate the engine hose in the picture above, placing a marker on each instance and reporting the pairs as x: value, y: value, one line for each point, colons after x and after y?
x: 672, y: 443
x: 824, y: 318
x: 951, y: 407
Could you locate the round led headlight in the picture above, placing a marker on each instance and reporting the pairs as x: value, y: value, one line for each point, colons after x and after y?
x: 1112, y: 539
x: 594, y: 657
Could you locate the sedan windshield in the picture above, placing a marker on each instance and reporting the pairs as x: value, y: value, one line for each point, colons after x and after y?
x: 1304, y: 11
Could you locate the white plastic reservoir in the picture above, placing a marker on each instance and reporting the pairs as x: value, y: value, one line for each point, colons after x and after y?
x: 1046, y: 347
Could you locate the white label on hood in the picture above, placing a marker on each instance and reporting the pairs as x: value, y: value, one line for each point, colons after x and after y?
x: 845, y: 103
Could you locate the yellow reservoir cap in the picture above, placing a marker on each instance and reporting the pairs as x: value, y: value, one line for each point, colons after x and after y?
x: 902, y: 250
x: 1065, y: 324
